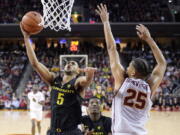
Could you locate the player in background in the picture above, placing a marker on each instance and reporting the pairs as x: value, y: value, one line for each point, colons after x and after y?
x: 134, y: 86
x: 36, y: 100
x: 67, y: 92
x: 95, y: 123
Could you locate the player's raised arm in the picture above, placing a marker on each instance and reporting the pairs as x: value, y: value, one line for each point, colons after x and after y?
x: 45, y: 74
x: 116, y: 67
x: 159, y: 70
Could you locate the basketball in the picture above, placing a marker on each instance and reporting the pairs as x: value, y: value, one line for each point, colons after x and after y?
x: 31, y: 22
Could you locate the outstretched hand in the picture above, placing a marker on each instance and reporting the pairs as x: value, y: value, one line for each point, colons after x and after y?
x: 143, y: 32
x: 88, y: 69
x: 25, y: 34
x: 102, y: 12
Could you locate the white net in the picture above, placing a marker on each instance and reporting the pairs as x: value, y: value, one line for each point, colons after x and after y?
x: 57, y: 14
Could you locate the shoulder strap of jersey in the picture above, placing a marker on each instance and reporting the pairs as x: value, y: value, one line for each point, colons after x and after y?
x: 57, y: 79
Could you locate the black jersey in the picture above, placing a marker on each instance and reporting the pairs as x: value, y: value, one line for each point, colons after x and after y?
x: 65, y: 106
x: 100, y: 127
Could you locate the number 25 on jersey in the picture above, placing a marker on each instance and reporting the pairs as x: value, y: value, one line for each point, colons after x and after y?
x: 60, y: 99
x: 135, y: 99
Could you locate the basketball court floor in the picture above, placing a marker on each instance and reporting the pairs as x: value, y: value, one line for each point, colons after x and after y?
x: 18, y: 123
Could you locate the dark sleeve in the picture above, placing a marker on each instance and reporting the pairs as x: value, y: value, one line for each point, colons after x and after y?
x: 57, y: 78
x: 84, y: 119
x: 108, y: 124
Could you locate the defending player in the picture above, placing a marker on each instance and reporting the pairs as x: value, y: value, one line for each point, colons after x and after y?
x: 132, y: 100
x: 66, y: 92
x: 36, y: 100
x: 95, y: 123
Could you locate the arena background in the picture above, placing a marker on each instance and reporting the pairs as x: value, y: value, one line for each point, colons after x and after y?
x: 17, y: 77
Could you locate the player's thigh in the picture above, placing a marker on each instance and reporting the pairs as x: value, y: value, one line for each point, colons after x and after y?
x: 39, y: 116
x: 32, y: 114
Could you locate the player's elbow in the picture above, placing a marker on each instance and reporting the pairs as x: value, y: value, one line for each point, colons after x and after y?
x: 111, y: 48
x: 163, y: 63
x: 162, y: 66
x: 34, y: 64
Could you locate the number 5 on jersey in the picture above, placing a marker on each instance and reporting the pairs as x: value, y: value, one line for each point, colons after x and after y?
x: 60, y: 99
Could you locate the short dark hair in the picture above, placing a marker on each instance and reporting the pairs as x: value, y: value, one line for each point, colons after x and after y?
x: 94, y: 97
x: 141, y: 66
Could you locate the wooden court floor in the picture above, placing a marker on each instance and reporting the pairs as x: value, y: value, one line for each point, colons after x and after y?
x: 18, y: 123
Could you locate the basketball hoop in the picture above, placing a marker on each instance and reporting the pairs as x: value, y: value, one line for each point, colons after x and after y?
x: 57, y: 14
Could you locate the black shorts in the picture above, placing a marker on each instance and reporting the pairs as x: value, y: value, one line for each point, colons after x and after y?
x: 71, y: 132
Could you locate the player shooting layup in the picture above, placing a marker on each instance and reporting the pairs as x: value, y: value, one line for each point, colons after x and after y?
x: 66, y: 93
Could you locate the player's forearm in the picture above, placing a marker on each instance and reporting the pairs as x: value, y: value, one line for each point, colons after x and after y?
x: 111, y: 45
x: 156, y: 51
x: 109, y: 36
x: 89, y: 77
x: 41, y: 102
x: 30, y: 52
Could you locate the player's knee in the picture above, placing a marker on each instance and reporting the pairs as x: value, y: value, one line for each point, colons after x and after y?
x: 33, y: 123
x: 39, y: 124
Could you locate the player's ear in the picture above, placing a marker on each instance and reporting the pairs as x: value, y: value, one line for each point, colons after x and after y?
x: 133, y: 73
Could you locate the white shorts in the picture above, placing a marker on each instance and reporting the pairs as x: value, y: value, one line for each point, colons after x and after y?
x: 37, y: 115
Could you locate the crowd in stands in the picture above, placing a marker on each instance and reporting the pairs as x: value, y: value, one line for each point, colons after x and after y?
x: 120, y: 10
x: 132, y: 10
x: 166, y: 98
x: 12, y: 64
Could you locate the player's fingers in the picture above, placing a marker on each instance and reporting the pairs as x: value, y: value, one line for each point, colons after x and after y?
x: 105, y: 7
x: 81, y: 70
x: 139, y: 25
x: 138, y: 28
x: 142, y: 27
x: 21, y: 26
x: 97, y: 11
x: 99, y: 8
x: 102, y: 7
x: 93, y: 70
x: 145, y: 28
x: 90, y: 69
x: 139, y: 34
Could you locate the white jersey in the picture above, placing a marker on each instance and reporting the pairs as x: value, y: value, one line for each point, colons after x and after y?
x: 130, y: 108
x: 84, y: 110
x: 35, y: 106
